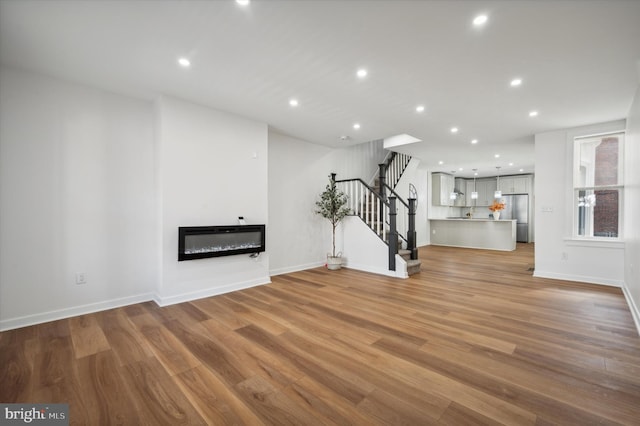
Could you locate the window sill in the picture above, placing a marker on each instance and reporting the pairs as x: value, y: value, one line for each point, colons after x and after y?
x: 612, y: 243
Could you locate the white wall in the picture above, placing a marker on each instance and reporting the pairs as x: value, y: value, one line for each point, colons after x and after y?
x: 212, y: 167
x: 297, y: 238
x: 632, y: 208
x: 557, y: 255
x: 364, y: 250
x: 358, y: 161
x: 76, y: 195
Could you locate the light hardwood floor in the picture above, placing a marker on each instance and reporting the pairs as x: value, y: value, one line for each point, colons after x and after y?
x: 472, y: 339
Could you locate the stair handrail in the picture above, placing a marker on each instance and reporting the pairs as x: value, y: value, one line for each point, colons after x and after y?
x: 384, y: 207
x: 406, y: 204
x: 392, y: 169
x: 357, y: 198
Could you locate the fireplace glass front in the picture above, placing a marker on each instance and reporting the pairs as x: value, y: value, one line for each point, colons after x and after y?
x: 198, y: 242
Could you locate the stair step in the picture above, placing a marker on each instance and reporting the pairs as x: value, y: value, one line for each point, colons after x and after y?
x: 405, y: 254
x: 413, y: 266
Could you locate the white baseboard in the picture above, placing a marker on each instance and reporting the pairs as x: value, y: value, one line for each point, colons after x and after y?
x: 635, y: 312
x: 296, y: 268
x: 59, y: 314
x: 578, y: 278
x: 200, y: 294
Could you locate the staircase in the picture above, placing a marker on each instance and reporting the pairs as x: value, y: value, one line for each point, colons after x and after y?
x: 379, y: 206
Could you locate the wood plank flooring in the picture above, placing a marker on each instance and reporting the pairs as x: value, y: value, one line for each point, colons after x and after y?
x: 472, y: 339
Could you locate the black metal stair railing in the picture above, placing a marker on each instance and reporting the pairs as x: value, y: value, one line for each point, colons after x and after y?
x: 380, y: 213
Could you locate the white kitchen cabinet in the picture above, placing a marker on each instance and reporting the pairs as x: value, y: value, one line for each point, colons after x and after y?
x: 486, y: 189
x: 515, y: 184
x: 469, y: 202
x: 442, y: 187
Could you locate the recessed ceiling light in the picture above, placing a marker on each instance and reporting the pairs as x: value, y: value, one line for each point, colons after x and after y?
x: 511, y: 164
x: 362, y: 73
x: 516, y: 82
x: 420, y: 108
x: 356, y: 126
x: 293, y: 102
x: 454, y: 130
x: 475, y: 174
x: 243, y: 2
x: 480, y: 20
x: 497, y: 156
x: 522, y: 170
x: 460, y: 169
x: 533, y: 114
x: 184, y: 62
x: 441, y: 162
x: 474, y: 141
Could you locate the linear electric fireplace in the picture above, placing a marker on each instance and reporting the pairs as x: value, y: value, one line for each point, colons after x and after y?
x: 199, y: 242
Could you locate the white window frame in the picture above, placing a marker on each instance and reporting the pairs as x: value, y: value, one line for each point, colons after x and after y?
x: 577, y: 178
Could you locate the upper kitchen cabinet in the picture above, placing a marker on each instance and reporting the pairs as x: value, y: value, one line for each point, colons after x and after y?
x: 515, y: 184
x: 471, y: 187
x: 442, y: 187
x: 486, y: 189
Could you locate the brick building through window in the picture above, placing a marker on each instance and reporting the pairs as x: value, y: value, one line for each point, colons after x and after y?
x: 605, y: 212
x: 597, y: 185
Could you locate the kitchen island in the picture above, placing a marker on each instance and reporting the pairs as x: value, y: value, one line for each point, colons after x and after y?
x: 486, y: 234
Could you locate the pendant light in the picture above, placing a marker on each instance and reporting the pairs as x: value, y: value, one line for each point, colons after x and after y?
x: 474, y: 194
x: 498, y: 193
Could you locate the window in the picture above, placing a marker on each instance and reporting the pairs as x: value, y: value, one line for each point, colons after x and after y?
x: 597, y: 185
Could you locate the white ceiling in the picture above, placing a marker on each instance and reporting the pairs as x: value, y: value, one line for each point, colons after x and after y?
x: 577, y: 60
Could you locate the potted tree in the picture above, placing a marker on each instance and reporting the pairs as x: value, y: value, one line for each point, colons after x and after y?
x: 332, y: 206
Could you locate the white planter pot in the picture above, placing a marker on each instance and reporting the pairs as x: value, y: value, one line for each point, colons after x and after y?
x: 334, y: 263
x: 496, y: 215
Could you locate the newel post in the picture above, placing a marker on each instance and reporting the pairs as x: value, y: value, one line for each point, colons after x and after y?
x: 382, y: 171
x: 393, y: 234
x: 411, y: 234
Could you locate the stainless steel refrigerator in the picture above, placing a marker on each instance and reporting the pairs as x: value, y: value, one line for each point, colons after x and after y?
x: 517, y: 207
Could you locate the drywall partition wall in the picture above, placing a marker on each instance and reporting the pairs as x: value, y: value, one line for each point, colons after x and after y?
x: 632, y: 207
x: 557, y: 254
x: 359, y: 161
x: 364, y: 250
x: 76, y: 196
x: 212, y: 168
x: 297, y: 238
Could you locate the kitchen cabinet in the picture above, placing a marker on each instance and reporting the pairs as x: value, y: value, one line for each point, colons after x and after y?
x: 470, y: 185
x: 515, y: 184
x: 442, y: 187
x: 460, y: 189
x: 486, y: 188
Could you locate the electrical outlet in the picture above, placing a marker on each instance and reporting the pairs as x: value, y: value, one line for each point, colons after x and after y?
x: 565, y: 255
x: 81, y: 278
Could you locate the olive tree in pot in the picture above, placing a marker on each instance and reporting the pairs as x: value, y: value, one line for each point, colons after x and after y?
x: 332, y: 206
